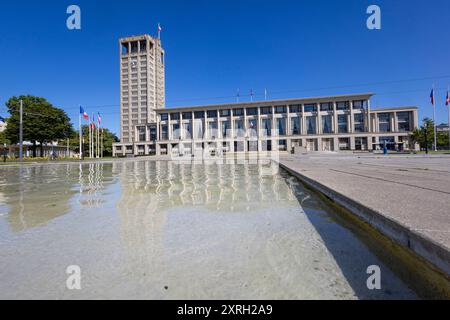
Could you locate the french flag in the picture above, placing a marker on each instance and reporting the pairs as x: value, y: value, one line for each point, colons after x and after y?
x: 83, y: 113
x: 432, y: 96
x: 447, y: 100
x: 99, y: 119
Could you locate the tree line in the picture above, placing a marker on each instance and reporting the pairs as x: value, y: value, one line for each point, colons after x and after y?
x: 44, y: 123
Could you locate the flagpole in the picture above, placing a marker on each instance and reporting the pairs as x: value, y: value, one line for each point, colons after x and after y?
x: 80, y: 134
x: 434, y: 120
x: 447, y: 101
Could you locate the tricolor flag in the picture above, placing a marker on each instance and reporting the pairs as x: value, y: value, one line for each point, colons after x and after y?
x: 84, y: 114
x: 92, y: 122
x: 432, y: 96
x: 159, y: 28
x: 447, y: 100
x: 99, y: 119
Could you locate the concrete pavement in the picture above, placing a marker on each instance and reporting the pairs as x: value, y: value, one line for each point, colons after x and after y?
x: 406, y: 198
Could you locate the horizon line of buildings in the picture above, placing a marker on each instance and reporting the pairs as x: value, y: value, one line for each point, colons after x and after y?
x: 330, y: 123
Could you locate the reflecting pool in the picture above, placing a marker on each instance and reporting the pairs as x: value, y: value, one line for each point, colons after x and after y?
x: 168, y: 230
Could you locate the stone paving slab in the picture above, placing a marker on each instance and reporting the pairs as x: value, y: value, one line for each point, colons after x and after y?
x: 411, y: 193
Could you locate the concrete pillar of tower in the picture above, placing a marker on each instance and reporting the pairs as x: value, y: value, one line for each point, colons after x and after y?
x: 335, y: 144
x: 352, y: 143
x: 158, y: 149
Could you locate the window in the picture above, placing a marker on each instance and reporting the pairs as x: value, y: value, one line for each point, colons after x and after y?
x: 211, y: 113
x: 252, y: 111
x: 225, y: 128
x: 187, y: 115
x: 342, y: 105
x: 175, y: 116
x: 403, y: 127
x: 311, y: 124
x: 198, y: 127
x: 280, y: 109
x: 153, y: 133
x: 212, y: 129
x: 176, y: 130
x: 326, y: 106
x: 239, y: 130
x: 385, y: 122
x: 238, y: 112
x: 342, y: 123
x: 359, y: 104
x: 310, y: 107
x: 295, y: 126
x: 187, y: 130
x: 359, y: 122
x: 224, y: 113
x: 266, y: 127
x: 295, y: 108
x: 403, y: 116
x: 164, y: 116
x: 199, y: 114
x: 281, y: 126
x: 164, y: 132
x: 253, y: 127
x: 266, y: 110
x: 141, y: 133
x: 143, y: 45
x: 326, y: 124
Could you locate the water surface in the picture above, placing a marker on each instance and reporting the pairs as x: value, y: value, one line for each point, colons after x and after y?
x: 167, y: 230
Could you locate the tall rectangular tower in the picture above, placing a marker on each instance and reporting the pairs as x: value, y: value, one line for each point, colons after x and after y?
x: 142, y: 88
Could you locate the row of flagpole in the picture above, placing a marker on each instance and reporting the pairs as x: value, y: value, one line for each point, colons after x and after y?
x: 251, y: 94
x: 95, y: 135
x: 447, y: 103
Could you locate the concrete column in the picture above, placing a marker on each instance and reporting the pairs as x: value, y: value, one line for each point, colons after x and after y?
x: 395, y: 127
x: 352, y: 117
x: 335, y: 118
x: 193, y: 127
x: 352, y: 143
x: 319, y: 120
x: 368, y: 124
x: 273, y: 121
x: 303, y: 121
x: 158, y: 149
x: 335, y: 144
x: 369, y: 143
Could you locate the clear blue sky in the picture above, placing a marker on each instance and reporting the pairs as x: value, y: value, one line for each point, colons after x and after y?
x: 293, y: 48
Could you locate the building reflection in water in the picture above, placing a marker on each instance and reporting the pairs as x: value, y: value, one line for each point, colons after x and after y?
x: 158, y: 197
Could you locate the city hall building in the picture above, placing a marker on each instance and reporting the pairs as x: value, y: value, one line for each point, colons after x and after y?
x: 333, y: 123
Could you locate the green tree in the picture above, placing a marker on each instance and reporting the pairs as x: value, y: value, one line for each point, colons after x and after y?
x: 42, y: 122
x: 418, y: 135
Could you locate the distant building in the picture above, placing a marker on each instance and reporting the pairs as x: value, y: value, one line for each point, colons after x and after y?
x: 343, y: 122
x: 442, y: 128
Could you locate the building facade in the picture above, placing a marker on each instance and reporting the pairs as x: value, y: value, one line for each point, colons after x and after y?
x: 142, y: 83
x: 333, y: 123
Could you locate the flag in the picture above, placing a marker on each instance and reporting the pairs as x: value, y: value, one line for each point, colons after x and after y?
x: 159, y: 28
x: 83, y: 113
x: 92, y: 122
x: 99, y: 119
x: 447, y: 100
x: 432, y: 96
